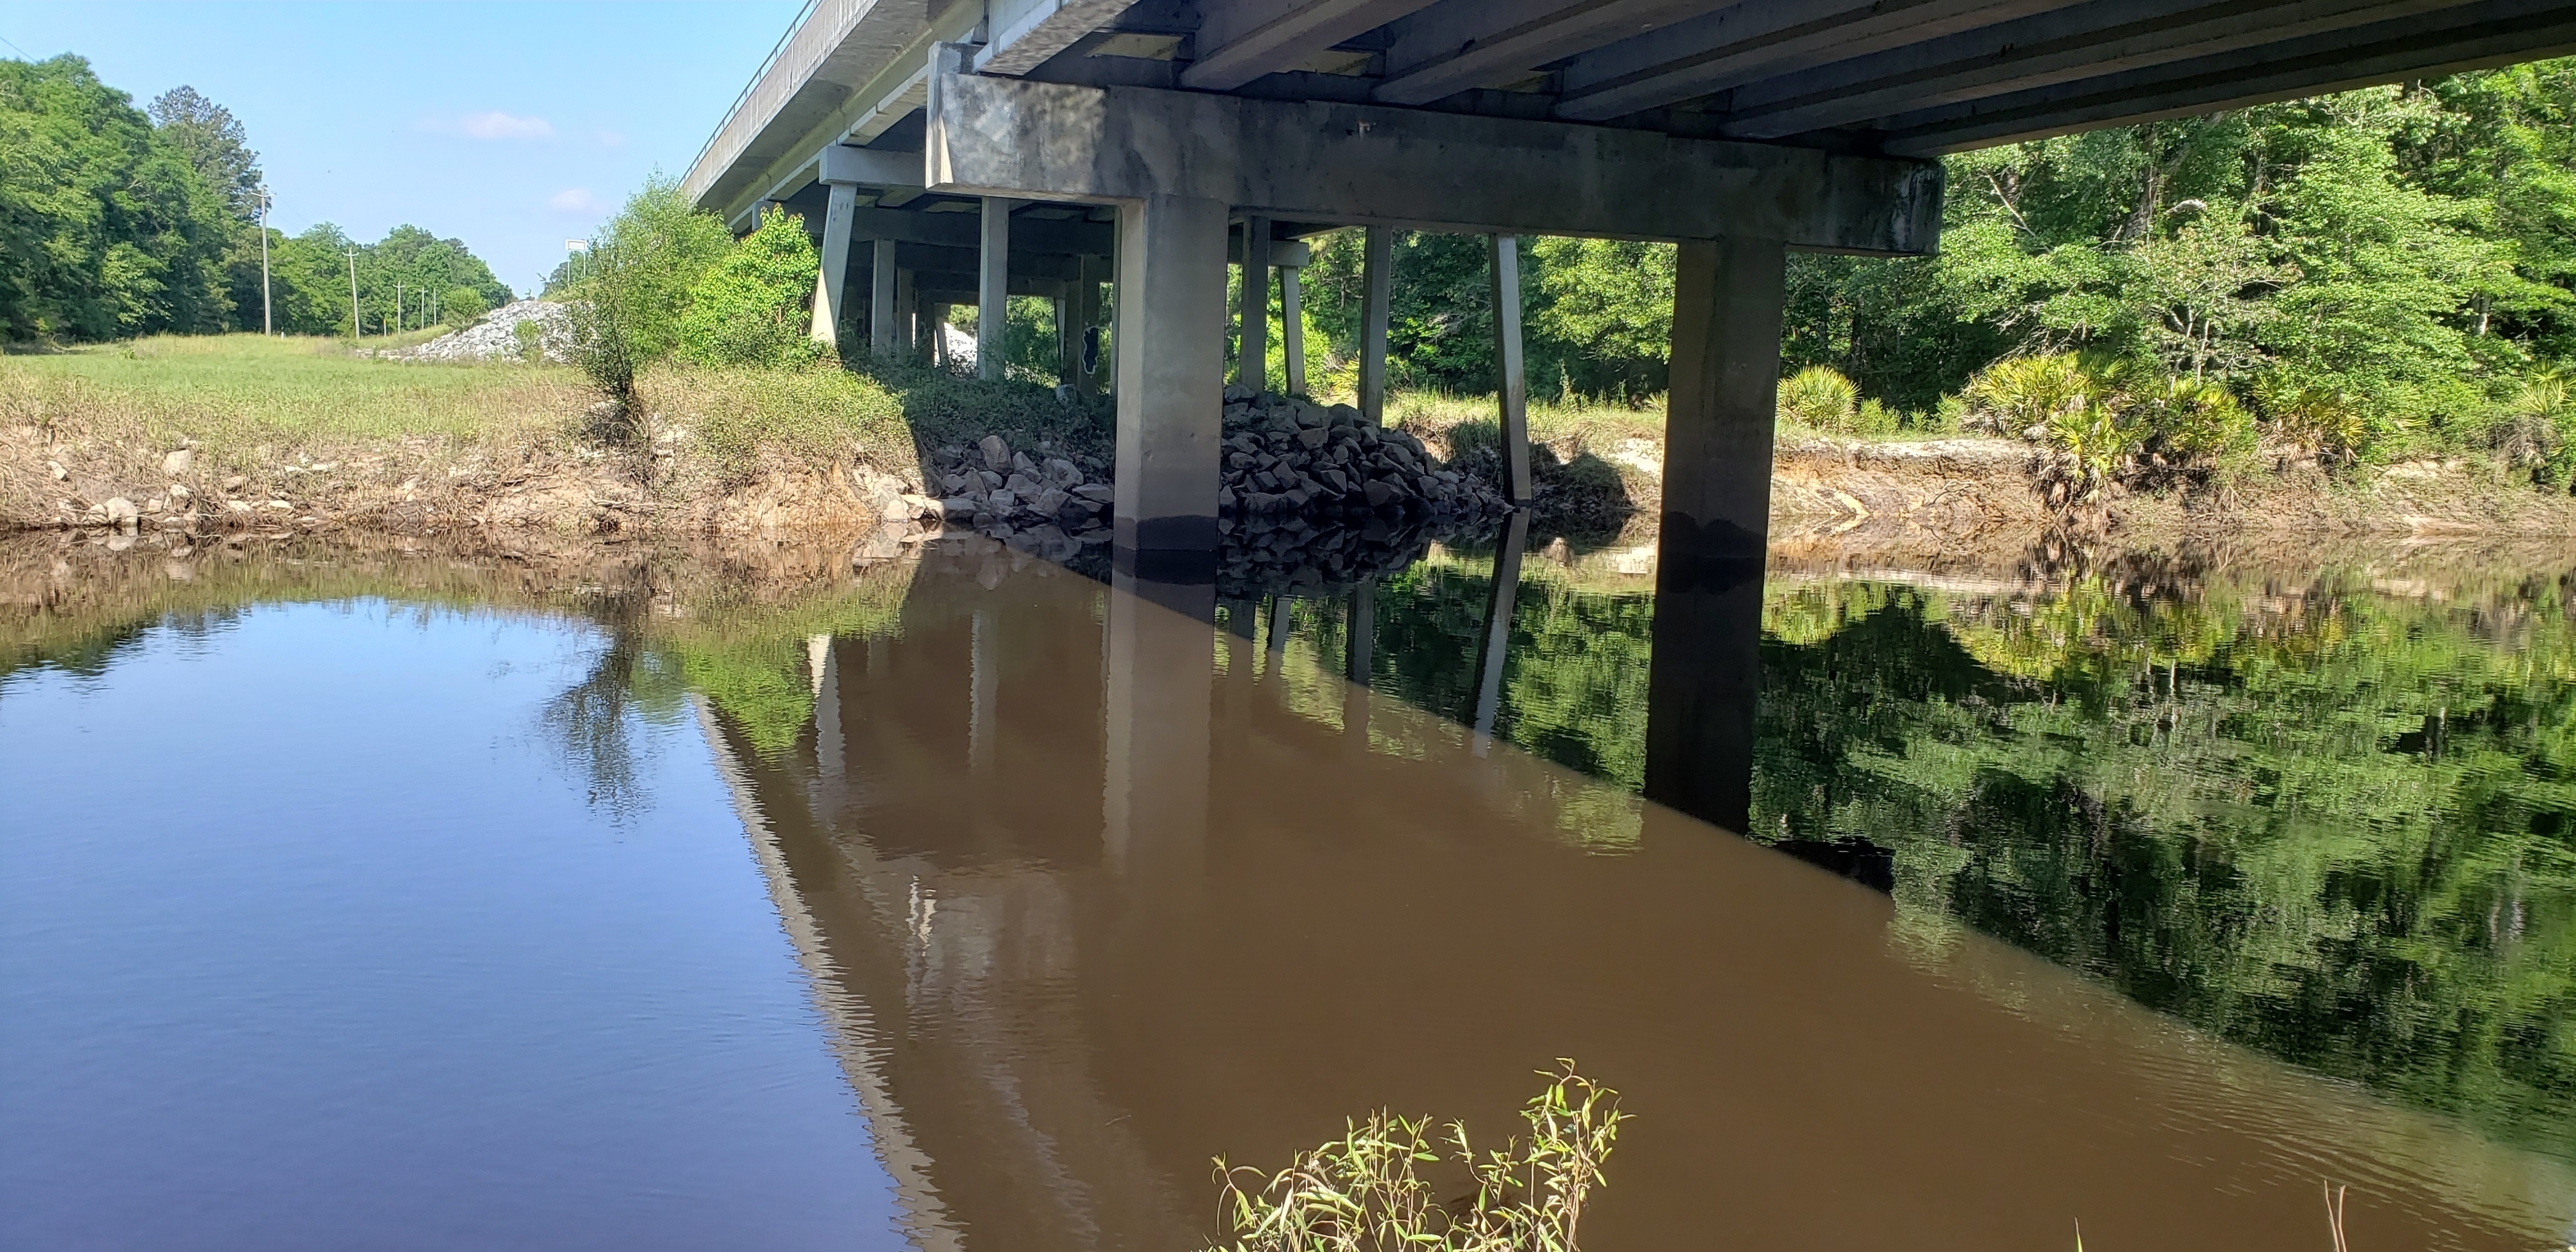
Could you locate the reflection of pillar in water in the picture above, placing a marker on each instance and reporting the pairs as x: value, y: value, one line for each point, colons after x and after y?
x: 1359, y: 645
x: 983, y: 680
x: 1160, y: 676
x: 827, y: 706
x: 1278, y: 636
x: 1491, y: 650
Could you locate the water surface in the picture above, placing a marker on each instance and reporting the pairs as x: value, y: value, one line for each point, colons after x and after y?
x: 372, y: 897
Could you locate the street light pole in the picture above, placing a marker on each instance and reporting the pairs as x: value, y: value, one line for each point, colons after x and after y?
x: 267, y: 319
x: 356, y: 332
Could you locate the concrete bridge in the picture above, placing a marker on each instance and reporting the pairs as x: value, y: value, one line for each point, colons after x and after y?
x: 969, y: 150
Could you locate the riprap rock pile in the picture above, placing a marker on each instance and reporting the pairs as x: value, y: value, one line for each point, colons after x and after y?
x: 1285, y: 455
x: 1059, y: 495
x: 495, y: 336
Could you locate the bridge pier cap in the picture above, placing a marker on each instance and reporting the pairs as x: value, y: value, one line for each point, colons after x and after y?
x: 1373, y: 165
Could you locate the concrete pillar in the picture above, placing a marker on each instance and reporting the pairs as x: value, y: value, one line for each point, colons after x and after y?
x: 1252, y: 346
x: 1171, y: 381
x: 993, y: 287
x: 1504, y: 253
x: 907, y: 312
x: 1377, y: 272
x: 828, y: 284
x: 884, y: 322
x: 1495, y: 647
x: 1068, y: 341
x: 936, y: 331
x: 1292, y: 331
x: 1088, y: 365
x: 1707, y: 669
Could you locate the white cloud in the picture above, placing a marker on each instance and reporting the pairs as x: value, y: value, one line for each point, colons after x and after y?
x: 573, y: 200
x: 499, y: 125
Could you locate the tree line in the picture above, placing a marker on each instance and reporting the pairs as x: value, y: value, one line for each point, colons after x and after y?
x: 2368, y: 273
x: 117, y: 221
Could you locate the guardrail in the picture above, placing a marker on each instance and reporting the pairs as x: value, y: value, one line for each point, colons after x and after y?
x: 724, y: 123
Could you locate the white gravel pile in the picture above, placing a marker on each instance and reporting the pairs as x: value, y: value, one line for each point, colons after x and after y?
x: 496, y: 336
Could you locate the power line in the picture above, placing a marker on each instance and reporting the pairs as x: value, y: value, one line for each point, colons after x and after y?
x: 15, y: 48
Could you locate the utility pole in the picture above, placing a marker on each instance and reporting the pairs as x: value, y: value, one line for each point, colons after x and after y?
x: 398, y: 306
x: 356, y: 332
x: 267, y: 319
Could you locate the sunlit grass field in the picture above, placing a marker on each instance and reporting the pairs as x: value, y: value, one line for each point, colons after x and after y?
x: 222, y: 390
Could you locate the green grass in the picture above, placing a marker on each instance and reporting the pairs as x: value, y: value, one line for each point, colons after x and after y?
x: 239, y: 390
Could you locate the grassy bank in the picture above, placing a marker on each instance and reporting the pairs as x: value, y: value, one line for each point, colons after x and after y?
x: 308, y: 433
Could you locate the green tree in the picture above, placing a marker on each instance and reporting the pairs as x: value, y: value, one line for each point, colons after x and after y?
x: 750, y: 308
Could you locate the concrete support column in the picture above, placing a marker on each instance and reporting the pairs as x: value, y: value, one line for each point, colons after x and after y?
x: 1707, y: 668
x: 1068, y: 341
x: 1292, y: 330
x: 993, y: 287
x: 1495, y: 647
x: 907, y: 313
x: 884, y: 324
x: 1252, y: 346
x: 1504, y: 255
x: 1377, y: 272
x: 1171, y: 381
x: 935, y: 330
x: 1088, y: 363
x: 828, y: 285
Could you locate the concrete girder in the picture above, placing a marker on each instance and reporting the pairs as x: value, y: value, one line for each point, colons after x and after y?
x: 2474, y: 36
x: 2106, y: 36
x: 1459, y: 44
x: 1241, y: 40
x: 1026, y: 34
x: 868, y: 167
x: 958, y: 230
x: 1747, y: 42
x: 792, y: 108
x: 1368, y: 165
x: 931, y: 258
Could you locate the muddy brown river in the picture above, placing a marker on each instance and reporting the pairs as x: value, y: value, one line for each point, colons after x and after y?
x: 403, y: 899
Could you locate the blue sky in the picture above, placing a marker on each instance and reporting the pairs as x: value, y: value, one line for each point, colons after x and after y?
x: 510, y: 126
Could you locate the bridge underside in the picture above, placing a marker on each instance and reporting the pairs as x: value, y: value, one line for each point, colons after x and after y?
x: 956, y: 151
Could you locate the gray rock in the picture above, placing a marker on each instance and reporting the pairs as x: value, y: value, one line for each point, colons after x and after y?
x: 178, y: 463
x: 1049, y: 502
x: 958, y: 506
x: 1101, y: 492
x: 997, y: 454
x: 119, y: 511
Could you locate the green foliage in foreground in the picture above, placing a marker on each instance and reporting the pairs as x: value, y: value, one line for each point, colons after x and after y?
x: 743, y: 310
x: 1366, y: 1191
x: 2333, y: 824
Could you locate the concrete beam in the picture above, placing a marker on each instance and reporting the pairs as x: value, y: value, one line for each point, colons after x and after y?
x: 1399, y: 167
x: 959, y: 230
x: 2105, y: 37
x: 1028, y: 33
x: 2474, y: 36
x: 1459, y: 44
x: 1241, y: 40
x: 993, y: 288
x: 868, y: 167
x: 1744, y: 42
x: 1171, y: 381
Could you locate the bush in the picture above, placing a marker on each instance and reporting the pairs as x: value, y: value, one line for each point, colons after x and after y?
x: 461, y: 306
x: 2316, y: 420
x: 1820, y: 398
x: 2536, y: 429
x: 2015, y: 394
x: 2193, y: 422
x: 1365, y: 1191
x: 752, y: 308
x: 626, y: 312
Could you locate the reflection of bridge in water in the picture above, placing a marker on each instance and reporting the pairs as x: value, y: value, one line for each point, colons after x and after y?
x: 1091, y: 891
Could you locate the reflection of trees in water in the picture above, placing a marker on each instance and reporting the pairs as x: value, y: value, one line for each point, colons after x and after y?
x: 593, y: 724
x: 2329, y: 818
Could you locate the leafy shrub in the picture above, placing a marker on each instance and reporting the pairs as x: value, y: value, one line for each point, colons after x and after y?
x: 626, y: 312
x: 751, y: 307
x: 1820, y: 398
x: 530, y: 335
x: 2316, y: 420
x: 461, y: 306
x: 1365, y: 1192
x: 2535, y: 429
x: 2195, y: 422
x: 2016, y: 394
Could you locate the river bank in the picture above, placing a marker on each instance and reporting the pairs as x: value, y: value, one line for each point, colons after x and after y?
x: 241, y: 436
